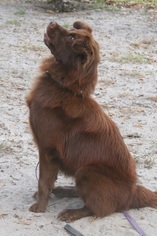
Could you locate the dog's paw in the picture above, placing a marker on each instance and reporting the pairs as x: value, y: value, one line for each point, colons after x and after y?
x: 36, y: 207
x: 68, y: 215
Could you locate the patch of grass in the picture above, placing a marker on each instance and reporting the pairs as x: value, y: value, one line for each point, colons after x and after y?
x: 115, y: 5
x: 111, y: 8
x: 5, y: 149
x: 103, y: 4
x: 13, y: 22
x: 154, y: 2
x: 66, y: 25
x: 134, y: 73
x: 32, y: 48
x: 130, y: 58
x: 20, y: 12
x: 98, y: 4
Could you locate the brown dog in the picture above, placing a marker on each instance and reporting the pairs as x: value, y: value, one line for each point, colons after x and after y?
x: 74, y: 135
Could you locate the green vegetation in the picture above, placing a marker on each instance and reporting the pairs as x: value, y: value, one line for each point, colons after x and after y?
x: 109, y: 5
x: 130, y: 58
x: 137, y: 1
x: 115, y: 5
x: 101, y: 2
x: 5, y: 148
x: 13, y: 22
x: 66, y: 25
x: 20, y: 12
x: 133, y: 73
x: 111, y: 8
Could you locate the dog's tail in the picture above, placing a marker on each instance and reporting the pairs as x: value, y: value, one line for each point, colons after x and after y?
x: 144, y: 198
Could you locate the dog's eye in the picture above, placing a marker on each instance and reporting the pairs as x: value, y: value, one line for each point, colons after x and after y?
x: 71, y: 37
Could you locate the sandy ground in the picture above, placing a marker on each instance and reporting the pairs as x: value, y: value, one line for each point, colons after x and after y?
x: 127, y: 90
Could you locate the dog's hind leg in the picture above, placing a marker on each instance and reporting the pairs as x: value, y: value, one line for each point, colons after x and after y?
x: 102, y: 191
x: 70, y: 215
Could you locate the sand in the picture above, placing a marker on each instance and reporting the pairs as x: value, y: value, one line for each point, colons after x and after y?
x: 127, y: 90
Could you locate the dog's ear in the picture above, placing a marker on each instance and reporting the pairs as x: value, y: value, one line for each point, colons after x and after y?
x: 82, y: 25
x: 82, y: 48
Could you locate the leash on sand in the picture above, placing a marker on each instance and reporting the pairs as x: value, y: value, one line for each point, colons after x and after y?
x: 134, y: 224
x: 74, y: 232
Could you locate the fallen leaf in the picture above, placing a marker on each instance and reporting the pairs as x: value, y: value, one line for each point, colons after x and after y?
x: 49, y: 11
x: 141, y: 78
x: 146, y: 41
x: 92, y: 218
x: 3, y: 214
x: 24, y: 222
x: 132, y: 154
x: 135, y: 44
x: 135, y: 5
x: 153, y: 99
x: 139, y: 109
x: 111, y: 113
x: 138, y: 126
x: 1, y: 184
x: 26, y: 121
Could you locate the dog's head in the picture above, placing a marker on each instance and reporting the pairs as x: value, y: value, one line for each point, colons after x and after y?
x: 72, y: 47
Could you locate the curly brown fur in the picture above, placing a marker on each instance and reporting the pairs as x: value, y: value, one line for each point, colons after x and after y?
x: 74, y: 135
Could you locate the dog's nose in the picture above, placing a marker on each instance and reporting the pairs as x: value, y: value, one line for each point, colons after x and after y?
x: 53, y: 24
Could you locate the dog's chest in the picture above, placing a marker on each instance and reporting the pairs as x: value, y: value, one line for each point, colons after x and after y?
x: 52, y: 127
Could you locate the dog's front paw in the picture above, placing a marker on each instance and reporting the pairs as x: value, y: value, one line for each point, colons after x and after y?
x: 36, y: 207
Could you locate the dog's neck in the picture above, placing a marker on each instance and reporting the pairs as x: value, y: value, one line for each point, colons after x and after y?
x: 79, y: 92
x: 75, y: 81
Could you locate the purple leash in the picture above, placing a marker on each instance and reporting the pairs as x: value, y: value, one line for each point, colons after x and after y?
x: 134, y: 223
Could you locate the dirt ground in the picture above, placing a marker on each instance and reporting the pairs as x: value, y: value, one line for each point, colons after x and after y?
x: 127, y: 90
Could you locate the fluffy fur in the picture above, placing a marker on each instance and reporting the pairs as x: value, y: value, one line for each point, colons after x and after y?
x: 74, y: 135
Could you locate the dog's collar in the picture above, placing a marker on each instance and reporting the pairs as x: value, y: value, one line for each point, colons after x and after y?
x: 77, y: 94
